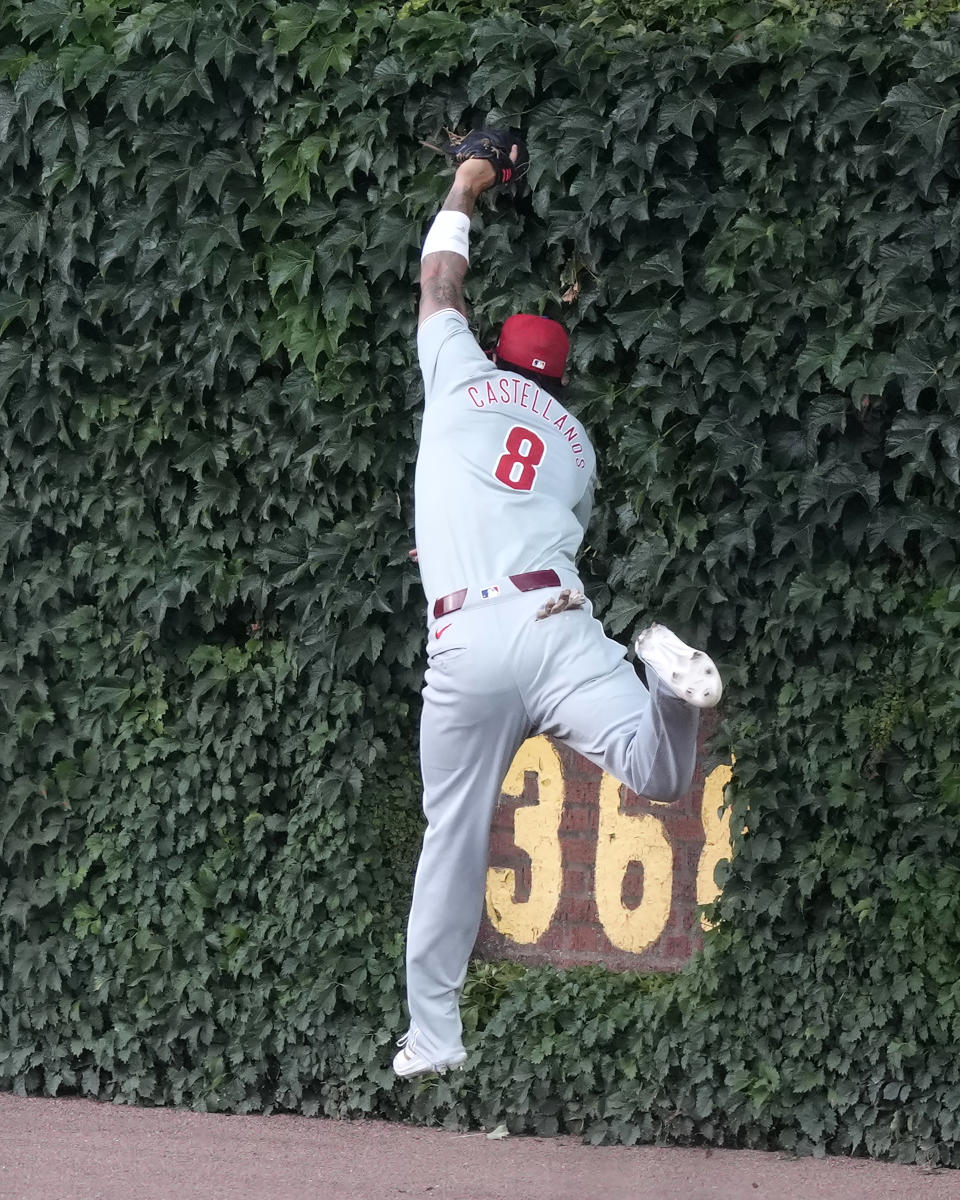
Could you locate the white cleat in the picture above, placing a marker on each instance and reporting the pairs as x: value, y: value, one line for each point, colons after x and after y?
x: 690, y: 674
x: 409, y: 1062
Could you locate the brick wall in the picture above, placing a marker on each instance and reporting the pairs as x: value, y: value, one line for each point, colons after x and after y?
x: 627, y: 898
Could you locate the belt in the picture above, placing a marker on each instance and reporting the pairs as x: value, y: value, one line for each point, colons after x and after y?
x: 529, y: 581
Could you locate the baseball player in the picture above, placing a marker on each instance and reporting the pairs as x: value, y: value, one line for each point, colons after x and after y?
x: 504, y: 484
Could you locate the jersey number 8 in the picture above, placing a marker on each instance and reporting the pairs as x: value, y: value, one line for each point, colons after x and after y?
x: 517, y: 468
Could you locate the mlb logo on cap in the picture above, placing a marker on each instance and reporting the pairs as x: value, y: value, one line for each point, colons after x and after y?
x: 534, y: 343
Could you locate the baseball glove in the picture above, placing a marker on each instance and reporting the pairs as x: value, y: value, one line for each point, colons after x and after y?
x: 494, y: 145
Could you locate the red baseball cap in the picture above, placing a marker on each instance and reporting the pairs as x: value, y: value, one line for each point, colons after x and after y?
x: 534, y: 343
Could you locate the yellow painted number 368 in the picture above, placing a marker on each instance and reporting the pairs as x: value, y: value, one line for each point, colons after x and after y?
x: 622, y: 839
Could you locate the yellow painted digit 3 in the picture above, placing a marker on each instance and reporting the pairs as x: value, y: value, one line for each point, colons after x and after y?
x: 535, y: 830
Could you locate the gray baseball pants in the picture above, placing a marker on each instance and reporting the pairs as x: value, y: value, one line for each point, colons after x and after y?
x: 496, y: 676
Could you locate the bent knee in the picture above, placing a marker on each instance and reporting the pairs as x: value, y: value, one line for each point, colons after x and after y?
x: 666, y: 786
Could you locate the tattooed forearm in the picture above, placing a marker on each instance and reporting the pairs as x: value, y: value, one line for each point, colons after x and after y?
x: 443, y: 272
x: 444, y: 291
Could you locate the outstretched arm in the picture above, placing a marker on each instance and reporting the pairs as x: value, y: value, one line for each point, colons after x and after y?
x: 444, y: 269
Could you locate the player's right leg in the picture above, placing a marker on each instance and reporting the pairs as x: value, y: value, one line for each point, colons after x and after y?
x: 590, y: 698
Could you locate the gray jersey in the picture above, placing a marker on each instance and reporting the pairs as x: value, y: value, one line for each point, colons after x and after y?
x: 505, y: 475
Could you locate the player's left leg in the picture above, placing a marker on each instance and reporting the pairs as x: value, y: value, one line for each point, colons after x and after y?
x: 472, y: 725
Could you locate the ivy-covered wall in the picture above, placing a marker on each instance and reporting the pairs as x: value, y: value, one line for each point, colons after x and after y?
x: 210, y: 631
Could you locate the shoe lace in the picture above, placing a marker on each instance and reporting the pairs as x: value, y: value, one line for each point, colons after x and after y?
x: 409, y: 1039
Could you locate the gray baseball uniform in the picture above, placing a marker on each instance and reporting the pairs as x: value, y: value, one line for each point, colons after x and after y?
x: 504, y: 486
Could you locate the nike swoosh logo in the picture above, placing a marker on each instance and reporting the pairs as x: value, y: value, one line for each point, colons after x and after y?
x: 441, y: 632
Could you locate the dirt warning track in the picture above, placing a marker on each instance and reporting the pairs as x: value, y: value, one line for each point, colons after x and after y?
x: 68, y: 1149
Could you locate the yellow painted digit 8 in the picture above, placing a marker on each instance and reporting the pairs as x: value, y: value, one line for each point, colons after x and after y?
x: 716, y: 833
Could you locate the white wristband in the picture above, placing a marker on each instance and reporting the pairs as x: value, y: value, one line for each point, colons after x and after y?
x: 450, y: 231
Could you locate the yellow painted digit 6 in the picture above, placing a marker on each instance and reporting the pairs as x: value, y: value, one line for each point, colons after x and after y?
x: 536, y: 830
x: 624, y: 839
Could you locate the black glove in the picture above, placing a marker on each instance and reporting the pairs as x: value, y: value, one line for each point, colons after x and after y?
x: 494, y: 145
